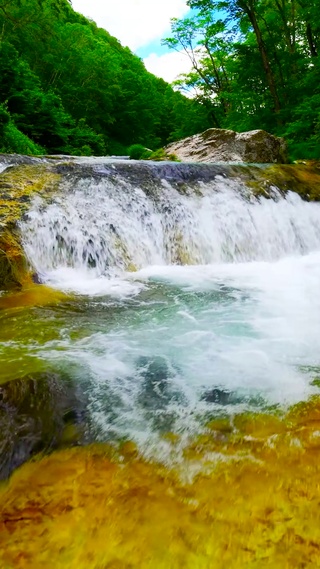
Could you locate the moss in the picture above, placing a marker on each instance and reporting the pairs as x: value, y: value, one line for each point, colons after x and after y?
x: 124, y: 259
x: 316, y: 382
x: 161, y: 154
x: 17, y: 187
x: 131, y: 267
x: 32, y: 295
x: 139, y: 152
x: 13, y: 265
x: 180, y: 252
x: 302, y: 178
x: 19, y: 184
x: 246, y: 496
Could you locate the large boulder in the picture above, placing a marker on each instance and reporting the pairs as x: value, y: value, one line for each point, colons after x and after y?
x: 219, y: 145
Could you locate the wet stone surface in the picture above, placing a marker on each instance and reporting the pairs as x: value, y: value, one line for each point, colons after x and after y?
x: 38, y: 413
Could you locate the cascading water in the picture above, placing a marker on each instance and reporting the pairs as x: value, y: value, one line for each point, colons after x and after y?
x: 192, y: 299
x: 105, y: 225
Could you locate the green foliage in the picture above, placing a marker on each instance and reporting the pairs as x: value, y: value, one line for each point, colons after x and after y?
x: 116, y: 148
x: 160, y: 155
x: 255, y: 65
x: 4, y: 118
x: 69, y: 87
x: 139, y: 152
x: 316, y: 382
x: 72, y: 88
x: 84, y: 141
x: 304, y: 150
x: 13, y: 141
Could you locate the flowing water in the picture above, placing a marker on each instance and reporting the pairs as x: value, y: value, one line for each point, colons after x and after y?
x: 188, y: 301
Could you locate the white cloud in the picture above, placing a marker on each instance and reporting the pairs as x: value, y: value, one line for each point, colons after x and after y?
x: 134, y: 22
x: 169, y: 65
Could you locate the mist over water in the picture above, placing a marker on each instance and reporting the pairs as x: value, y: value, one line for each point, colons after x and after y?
x: 190, y: 303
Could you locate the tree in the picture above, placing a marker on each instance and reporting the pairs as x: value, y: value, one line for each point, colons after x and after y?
x: 256, y: 62
x: 71, y: 87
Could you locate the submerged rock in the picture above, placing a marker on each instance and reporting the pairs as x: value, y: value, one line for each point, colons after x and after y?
x: 156, y: 376
x: 38, y: 413
x: 219, y: 145
x: 244, y: 494
x: 158, y: 392
x: 219, y: 396
x: 224, y: 397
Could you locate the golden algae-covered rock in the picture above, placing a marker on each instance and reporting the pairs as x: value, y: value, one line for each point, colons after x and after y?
x: 246, y: 494
x: 13, y: 265
x: 18, y: 184
x: 301, y: 178
x: 32, y: 295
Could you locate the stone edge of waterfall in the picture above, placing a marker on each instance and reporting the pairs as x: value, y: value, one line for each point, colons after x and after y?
x: 260, y: 179
x: 302, y: 178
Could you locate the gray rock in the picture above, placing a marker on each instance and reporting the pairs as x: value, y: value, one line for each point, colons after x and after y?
x: 219, y: 145
x: 35, y: 412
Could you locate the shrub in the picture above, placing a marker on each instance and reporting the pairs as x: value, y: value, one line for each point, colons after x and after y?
x: 139, y: 152
x: 309, y: 150
x: 161, y: 154
x: 4, y: 118
x: 14, y: 141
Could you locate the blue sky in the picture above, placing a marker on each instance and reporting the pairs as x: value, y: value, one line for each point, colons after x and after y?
x: 152, y: 47
x: 140, y: 25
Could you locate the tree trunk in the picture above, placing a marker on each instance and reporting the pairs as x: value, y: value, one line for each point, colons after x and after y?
x: 312, y: 46
x: 248, y: 8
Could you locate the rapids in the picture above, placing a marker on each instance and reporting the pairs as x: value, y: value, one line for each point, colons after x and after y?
x: 192, y: 298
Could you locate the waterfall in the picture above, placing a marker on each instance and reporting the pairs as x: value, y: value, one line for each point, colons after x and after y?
x: 107, y: 223
x: 193, y: 295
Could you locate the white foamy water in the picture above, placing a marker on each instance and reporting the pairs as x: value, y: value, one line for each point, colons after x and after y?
x: 3, y: 167
x: 84, y: 281
x: 102, y: 225
x: 222, y: 313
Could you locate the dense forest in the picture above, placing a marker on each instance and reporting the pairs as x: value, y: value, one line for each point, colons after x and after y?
x: 69, y: 87
x: 257, y: 62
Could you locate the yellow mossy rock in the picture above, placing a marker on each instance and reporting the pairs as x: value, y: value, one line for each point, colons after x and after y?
x: 131, y: 268
x: 35, y: 295
x: 17, y: 186
x: 301, y: 178
x: 13, y: 265
x: 245, y: 498
x: 304, y: 179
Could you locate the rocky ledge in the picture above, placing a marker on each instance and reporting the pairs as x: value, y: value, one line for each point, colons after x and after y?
x: 24, y: 178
